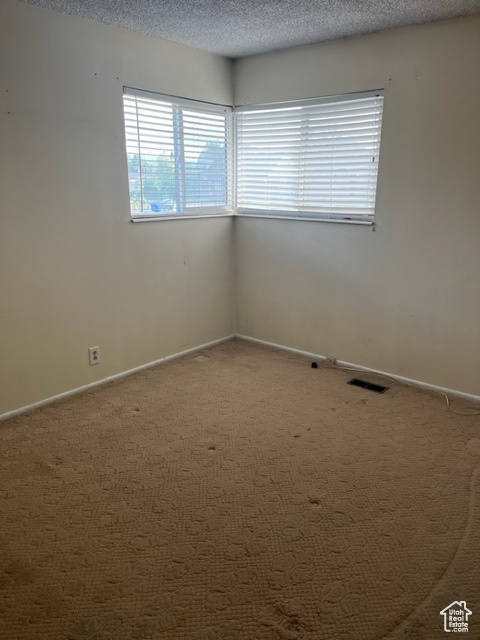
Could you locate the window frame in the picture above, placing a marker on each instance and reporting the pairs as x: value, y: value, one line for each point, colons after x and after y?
x: 317, y: 216
x: 231, y: 124
x: 201, y: 107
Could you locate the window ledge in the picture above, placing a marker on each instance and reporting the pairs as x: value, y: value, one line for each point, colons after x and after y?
x: 181, y: 216
x: 265, y: 216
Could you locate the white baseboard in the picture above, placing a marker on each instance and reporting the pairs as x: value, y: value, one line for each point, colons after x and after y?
x: 308, y: 354
x: 117, y: 376
x: 342, y: 363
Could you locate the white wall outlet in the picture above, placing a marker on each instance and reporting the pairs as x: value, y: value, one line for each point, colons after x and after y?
x: 94, y: 355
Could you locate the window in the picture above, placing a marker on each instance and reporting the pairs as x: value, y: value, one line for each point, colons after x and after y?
x: 179, y: 156
x: 310, y: 159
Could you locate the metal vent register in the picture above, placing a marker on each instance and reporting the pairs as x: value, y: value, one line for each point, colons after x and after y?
x: 371, y: 386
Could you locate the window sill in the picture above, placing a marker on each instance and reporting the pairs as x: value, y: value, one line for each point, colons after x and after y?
x: 181, y: 216
x: 265, y: 216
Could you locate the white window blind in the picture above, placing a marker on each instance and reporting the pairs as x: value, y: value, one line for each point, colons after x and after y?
x: 310, y: 159
x: 179, y: 155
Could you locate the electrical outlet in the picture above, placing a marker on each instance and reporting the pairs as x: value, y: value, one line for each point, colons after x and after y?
x: 94, y: 355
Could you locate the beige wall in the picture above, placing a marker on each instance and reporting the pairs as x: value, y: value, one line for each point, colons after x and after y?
x: 74, y: 272
x: 406, y: 298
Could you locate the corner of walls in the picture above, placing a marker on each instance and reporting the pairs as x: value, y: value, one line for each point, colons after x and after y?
x: 235, y: 274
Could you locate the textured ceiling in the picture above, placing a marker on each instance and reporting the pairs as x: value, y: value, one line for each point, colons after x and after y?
x: 237, y: 28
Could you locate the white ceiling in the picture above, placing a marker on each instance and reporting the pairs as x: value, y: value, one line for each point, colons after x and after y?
x: 237, y: 28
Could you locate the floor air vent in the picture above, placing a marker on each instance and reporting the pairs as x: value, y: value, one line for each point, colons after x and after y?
x: 357, y: 382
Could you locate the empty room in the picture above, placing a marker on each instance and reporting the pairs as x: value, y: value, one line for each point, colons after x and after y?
x: 240, y: 319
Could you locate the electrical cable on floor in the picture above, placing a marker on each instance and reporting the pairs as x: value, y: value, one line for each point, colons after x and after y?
x: 409, y: 384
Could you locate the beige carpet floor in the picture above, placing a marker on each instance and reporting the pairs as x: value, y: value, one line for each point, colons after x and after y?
x: 239, y: 494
